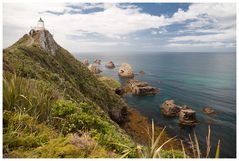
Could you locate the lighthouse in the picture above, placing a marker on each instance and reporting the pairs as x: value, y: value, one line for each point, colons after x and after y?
x: 40, y: 25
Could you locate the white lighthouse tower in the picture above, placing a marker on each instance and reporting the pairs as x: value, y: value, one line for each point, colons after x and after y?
x: 40, y: 25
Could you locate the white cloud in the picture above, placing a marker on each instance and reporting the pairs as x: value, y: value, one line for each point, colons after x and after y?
x: 154, y: 32
x: 116, y: 21
x: 225, y: 36
x: 210, y: 44
x: 212, y: 24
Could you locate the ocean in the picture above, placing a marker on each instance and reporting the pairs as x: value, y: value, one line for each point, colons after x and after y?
x: 195, y: 79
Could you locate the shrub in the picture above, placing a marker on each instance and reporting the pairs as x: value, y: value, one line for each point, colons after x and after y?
x: 110, y: 82
x: 62, y: 108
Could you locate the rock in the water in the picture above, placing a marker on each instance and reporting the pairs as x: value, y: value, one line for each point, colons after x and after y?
x: 96, y: 61
x: 110, y: 65
x: 169, y: 108
x: 126, y: 71
x: 94, y: 69
x: 141, y: 88
x: 147, y: 90
x: 119, y: 91
x: 141, y: 72
x: 208, y: 110
x: 187, y: 116
x: 133, y: 83
x: 85, y: 62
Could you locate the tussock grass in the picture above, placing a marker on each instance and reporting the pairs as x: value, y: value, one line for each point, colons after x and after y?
x: 196, y: 147
x: 155, y: 150
x: 28, y: 96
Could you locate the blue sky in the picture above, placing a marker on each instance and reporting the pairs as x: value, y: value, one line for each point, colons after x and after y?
x: 126, y: 27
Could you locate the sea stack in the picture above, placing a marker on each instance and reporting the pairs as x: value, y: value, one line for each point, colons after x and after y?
x: 187, y: 116
x: 110, y: 65
x: 126, y: 71
x: 137, y: 87
x: 169, y: 108
x: 96, y: 61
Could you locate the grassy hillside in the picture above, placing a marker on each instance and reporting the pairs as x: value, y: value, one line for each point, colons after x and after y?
x: 60, y: 94
x: 54, y: 107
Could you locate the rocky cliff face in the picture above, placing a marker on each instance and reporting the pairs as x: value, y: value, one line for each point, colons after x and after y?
x: 47, y: 42
x: 45, y: 39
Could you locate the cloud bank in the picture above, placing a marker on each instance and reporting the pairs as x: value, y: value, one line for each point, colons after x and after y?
x: 98, y: 27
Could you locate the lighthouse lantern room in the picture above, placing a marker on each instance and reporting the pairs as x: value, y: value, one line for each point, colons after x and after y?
x: 40, y: 25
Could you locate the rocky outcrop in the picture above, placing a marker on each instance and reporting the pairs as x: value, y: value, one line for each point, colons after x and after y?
x: 96, y: 61
x: 94, y: 69
x: 126, y: 71
x: 187, y: 116
x: 47, y: 42
x: 119, y: 115
x: 85, y: 62
x: 136, y: 83
x: 147, y: 90
x: 141, y: 88
x: 169, y: 108
x: 110, y: 65
x: 119, y: 91
x: 208, y: 110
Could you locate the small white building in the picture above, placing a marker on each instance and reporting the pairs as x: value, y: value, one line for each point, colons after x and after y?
x: 40, y: 25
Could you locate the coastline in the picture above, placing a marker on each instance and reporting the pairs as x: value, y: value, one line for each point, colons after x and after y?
x: 137, y: 126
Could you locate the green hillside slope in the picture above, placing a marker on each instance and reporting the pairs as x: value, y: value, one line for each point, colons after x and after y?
x: 58, y: 92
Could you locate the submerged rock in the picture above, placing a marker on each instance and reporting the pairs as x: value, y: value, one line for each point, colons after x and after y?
x: 110, y: 65
x: 169, y: 108
x: 141, y: 72
x: 209, y: 110
x: 126, y: 71
x: 94, y: 69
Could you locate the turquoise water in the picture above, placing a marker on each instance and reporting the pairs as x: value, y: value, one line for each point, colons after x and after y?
x: 195, y: 79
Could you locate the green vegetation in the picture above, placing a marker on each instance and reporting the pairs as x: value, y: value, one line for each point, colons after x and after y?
x: 24, y: 137
x: 196, y: 148
x: 155, y: 150
x: 57, y: 92
x: 112, y: 83
x: 30, y: 106
x: 54, y: 107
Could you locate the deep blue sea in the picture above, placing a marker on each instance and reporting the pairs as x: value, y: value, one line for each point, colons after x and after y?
x: 194, y: 79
